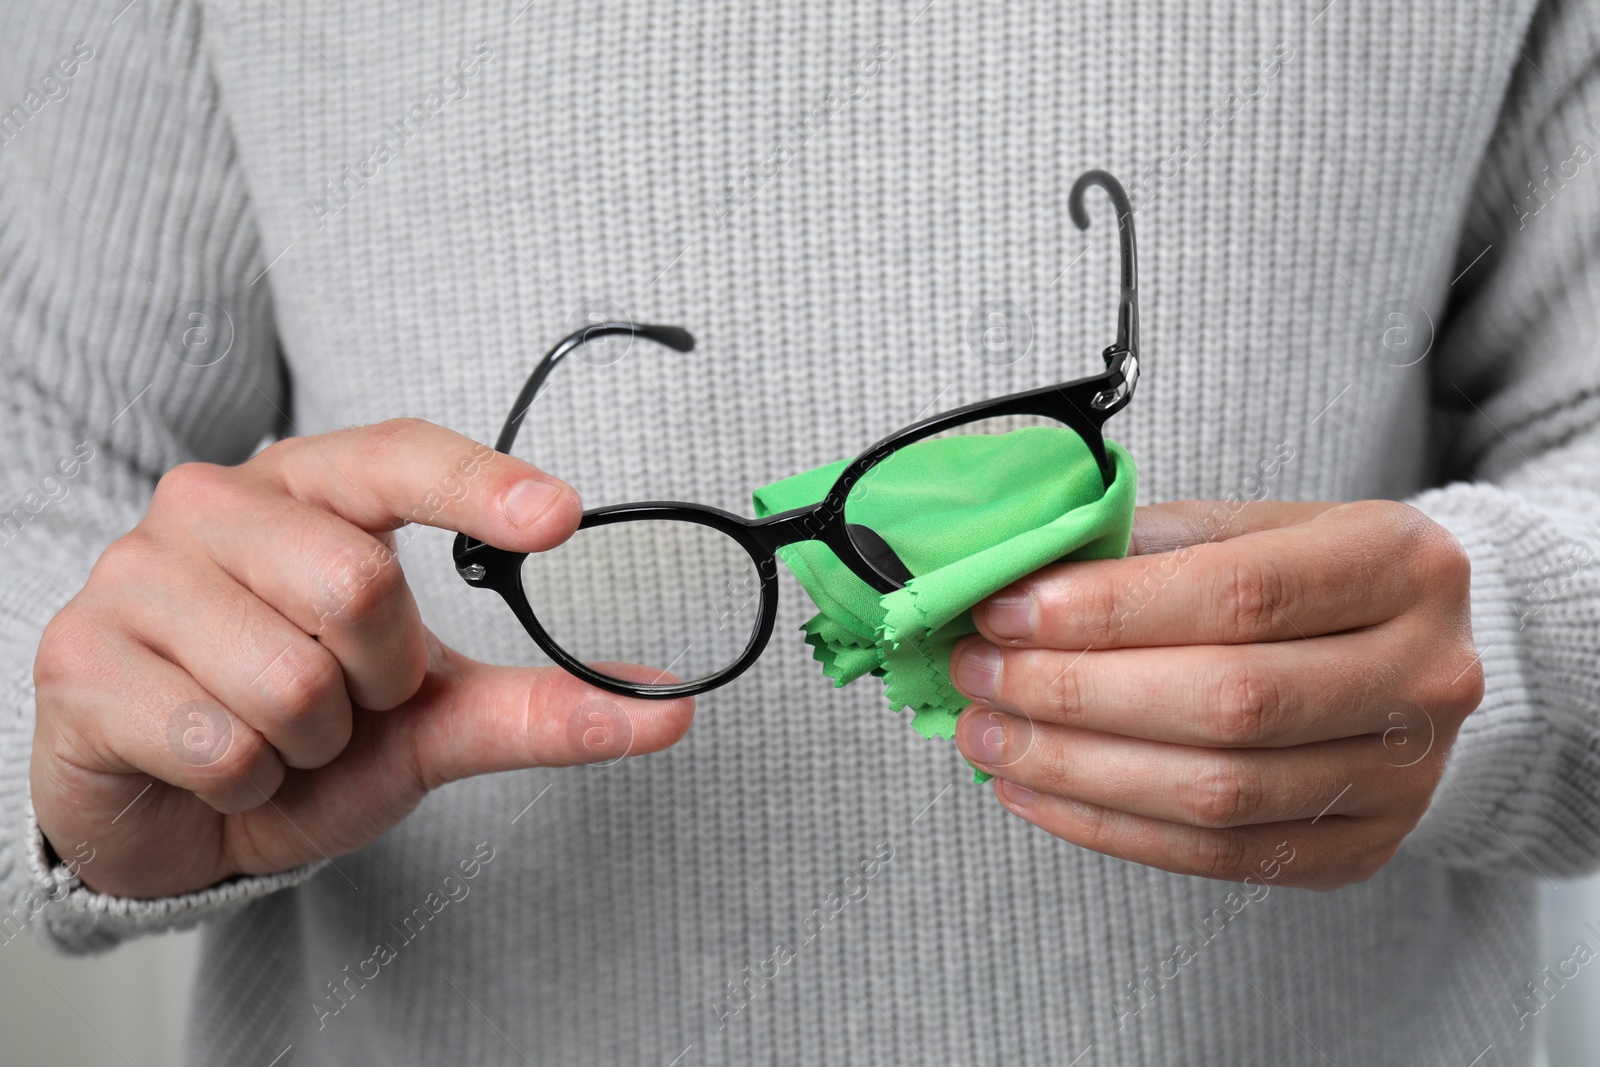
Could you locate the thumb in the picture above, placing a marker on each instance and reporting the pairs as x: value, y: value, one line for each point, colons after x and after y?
x: 468, y: 718
x: 471, y: 718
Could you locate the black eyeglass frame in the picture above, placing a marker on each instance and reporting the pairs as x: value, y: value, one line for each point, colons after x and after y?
x: 1083, y: 405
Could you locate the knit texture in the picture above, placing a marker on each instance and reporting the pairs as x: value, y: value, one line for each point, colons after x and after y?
x: 398, y: 206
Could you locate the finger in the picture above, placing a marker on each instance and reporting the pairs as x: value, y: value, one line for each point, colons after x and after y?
x: 1215, y: 696
x: 473, y: 718
x: 1351, y: 566
x: 468, y: 719
x: 407, y: 470
x: 1336, y: 851
x: 260, y: 666
x: 166, y: 725
x: 1179, y: 784
x: 330, y: 578
x: 1171, y: 525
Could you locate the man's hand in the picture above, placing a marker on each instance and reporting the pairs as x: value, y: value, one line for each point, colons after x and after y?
x: 245, y: 685
x: 1297, y: 675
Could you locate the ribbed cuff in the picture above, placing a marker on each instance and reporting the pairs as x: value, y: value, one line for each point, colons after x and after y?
x: 68, y: 916
x: 1523, y: 779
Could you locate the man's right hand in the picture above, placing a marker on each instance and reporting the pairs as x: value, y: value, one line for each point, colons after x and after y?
x: 245, y: 685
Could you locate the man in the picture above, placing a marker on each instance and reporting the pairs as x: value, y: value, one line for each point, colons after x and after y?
x: 250, y: 690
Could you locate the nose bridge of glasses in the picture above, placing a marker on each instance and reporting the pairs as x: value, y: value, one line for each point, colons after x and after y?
x: 857, y: 547
x: 674, y: 337
x: 813, y: 523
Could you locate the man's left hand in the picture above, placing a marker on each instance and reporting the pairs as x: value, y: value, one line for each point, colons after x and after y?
x: 1249, y: 676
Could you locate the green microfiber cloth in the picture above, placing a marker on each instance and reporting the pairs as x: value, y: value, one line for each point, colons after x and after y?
x: 968, y: 515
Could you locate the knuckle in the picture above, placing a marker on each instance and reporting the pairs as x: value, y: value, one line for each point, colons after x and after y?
x: 381, y: 440
x: 235, y: 765
x: 1448, y: 691
x: 1430, y: 549
x: 528, y: 720
x: 1227, y: 793
x: 1466, y: 694
x: 1443, y: 560
x: 1390, y: 517
x: 276, y: 455
x: 1093, y: 610
x: 64, y: 649
x: 1247, y: 704
x: 1218, y: 854
x: 127, y: 556
x: 301, y: 685
x: 189, y: 487
x: 1066, y: 693
x: 358, y: 582
x: 1091, y: 821
x: 1401, y: 524
x: 1054, y: 773
x: 1251, y: 595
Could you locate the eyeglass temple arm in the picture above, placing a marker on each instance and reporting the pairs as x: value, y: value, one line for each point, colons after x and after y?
x: 674, y: 337
x: 1128, y: 306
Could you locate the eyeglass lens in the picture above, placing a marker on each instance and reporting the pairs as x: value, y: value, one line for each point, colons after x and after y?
x: 678, y: 597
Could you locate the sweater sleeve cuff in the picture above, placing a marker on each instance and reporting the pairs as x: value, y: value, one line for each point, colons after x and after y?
x: 69, y: 916
x: 1523, y: 778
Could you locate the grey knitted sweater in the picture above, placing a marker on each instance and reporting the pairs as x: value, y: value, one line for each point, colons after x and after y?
x: 398, y: 206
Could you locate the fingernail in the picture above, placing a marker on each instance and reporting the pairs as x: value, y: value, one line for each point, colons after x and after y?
x: 1017, y: 795
x: 1012, y: 615
x: 983, y: 735
x: 977, y: 671
x: 528, y: 500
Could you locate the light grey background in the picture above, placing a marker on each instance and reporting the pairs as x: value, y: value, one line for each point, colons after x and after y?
x: 133, y: 1003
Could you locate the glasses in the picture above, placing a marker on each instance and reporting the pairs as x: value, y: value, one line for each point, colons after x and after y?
x: 687, y: 594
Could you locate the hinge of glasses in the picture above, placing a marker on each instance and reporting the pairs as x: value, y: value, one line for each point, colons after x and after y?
x: 1129, y: 369
x: 472, y: 572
